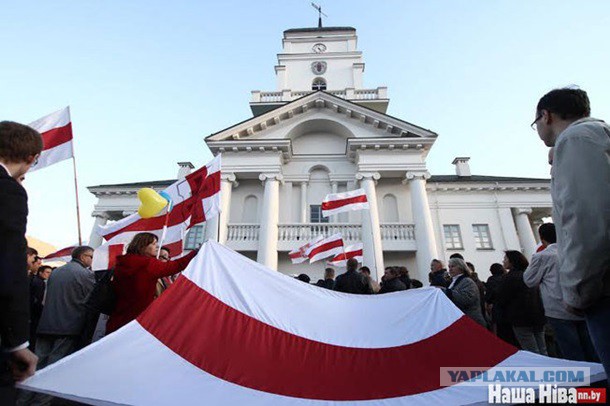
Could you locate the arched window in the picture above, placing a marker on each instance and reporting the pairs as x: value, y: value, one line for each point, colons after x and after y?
x: 318, y: 84
x: 250, y: 213
x: 390, y: 209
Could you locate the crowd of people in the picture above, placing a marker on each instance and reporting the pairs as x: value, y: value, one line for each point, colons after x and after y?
x: 47, y: 314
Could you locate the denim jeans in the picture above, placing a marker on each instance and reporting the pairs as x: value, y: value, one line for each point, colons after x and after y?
x: 531, y: 339
x: 573, y: 339
x: 598, y: 323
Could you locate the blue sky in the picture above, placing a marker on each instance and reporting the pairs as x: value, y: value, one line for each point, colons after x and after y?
x: 147, y: 80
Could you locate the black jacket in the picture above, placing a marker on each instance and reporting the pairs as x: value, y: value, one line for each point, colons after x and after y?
x: 521, y: 306
x: 439, y: 278
x: 326, y: 283
x: 352, y: 282
x: 14, y: 283
x: 393, y: 285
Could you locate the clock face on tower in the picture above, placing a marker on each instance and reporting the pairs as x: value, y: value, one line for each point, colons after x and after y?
x: 319, y: 48
x: 318, y: 67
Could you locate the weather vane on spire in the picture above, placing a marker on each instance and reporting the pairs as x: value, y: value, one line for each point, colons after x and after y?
x: 320, y: 13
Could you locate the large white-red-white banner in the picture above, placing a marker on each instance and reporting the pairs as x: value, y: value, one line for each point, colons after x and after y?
x: 196, y: 199
x: 346, y: 201
x: 231, y: 332
x: 64, y: 254
x: 56, y: 131
x: 350, y: 251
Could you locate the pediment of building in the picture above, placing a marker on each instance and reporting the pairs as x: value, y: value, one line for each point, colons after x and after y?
x: 318, y: 113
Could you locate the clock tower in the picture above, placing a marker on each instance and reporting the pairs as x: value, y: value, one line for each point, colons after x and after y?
x: 323, y: 58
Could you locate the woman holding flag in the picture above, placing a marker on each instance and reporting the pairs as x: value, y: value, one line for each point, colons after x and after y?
x: 135, y: 278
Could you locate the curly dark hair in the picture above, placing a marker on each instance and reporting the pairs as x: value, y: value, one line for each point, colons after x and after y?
x: 18, y: 142
x: 141, y: 241
x: 567, y: 103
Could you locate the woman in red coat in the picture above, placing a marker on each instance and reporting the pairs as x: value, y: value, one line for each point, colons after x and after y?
x: 135, y: 278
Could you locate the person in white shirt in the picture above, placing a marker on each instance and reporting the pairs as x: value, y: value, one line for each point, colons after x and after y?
x: 580, y: 187
x: 570, y: 329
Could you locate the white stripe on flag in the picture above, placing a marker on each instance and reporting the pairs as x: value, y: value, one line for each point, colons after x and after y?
x: 56, y: 119
x: 351, y: 251
x: 325, y: 248
x: 51, y: 156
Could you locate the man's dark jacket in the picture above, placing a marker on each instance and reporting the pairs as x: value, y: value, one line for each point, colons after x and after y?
x: 326, y: 283
x: 393, y: 285
x: 14, y: 283
x: 352, y: 282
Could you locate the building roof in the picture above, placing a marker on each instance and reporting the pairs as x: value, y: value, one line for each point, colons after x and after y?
x: 481, y: 178
x: 433, y: 179
x: 318, y: 29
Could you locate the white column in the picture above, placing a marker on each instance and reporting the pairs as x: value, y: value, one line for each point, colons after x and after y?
x: 303, y: 202
x: 211, y: 229
x: 227, y: 181
x: 524, y: 229
x: 95, y: 240
x: 509, y: 232
x: 267, y: 242
x: 334, y: 189
x: 371, y: 235
x: 424, y: 228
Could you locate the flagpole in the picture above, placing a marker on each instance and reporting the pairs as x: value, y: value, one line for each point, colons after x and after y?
x: 80, y: 238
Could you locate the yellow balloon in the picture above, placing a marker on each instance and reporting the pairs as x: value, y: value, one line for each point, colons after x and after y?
x: 151, y: 203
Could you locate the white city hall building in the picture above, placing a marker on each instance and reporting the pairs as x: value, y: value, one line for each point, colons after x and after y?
x: 321, y: 132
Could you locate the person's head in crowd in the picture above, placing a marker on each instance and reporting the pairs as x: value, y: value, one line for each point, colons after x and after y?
x: 436, y: 265
x: 144, y: 244
x: 402, y: 271
x: 514, y: 261
x: 352, y: 264
x: 83, y: 254
x: 497, y: 269
x: 557, y: 109
x: 457, y: 266
x: 32, y: 260
x: 20, y: 148
x: 365, y: 270
x: 456, y: 255
x: 416, y: 284
x: 303, y: 278
x: 391, y: 272
x: 164, y: 254
x: 329, y: 273
x: 44, y: 272
x: 547, y: 234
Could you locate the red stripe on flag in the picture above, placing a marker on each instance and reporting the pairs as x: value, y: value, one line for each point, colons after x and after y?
x: 347, y: 255
x: 175, y: 248
x: 334, y: 204
x: 243, y: 350
x: 325, y: 247
x: 56, y: 136
x: 60, y: 253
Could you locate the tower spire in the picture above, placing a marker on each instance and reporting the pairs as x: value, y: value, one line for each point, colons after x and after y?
x: 320, y: 13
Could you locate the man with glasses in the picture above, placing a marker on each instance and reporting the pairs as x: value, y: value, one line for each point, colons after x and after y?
x: 63, y: 316
x: 580, y: 187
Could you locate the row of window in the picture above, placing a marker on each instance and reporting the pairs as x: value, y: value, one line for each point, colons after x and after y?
x: 453, y: 236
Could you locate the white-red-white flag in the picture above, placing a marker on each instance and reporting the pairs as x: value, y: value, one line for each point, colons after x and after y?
x: 336, y: 203
x: 186, y: 348
x: 300, y: 254
x: 327, y: 247
x: 351, y: 251
x: 64, y: 254
x: 196, y: 199
x: 56, y: 131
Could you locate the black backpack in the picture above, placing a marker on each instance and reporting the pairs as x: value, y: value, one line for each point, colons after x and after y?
x: 102, y: 298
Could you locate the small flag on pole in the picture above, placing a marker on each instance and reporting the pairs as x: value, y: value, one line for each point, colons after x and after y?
x: 56, y: 131
x: 300, y: 254
x: 351, y: 251
x: 347, y: 201
x: 327, y: 247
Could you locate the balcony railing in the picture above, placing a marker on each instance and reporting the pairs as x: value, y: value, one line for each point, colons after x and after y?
x: 379, y: 93
x: 308, y: 231
x: 244, y: 232
x: 394, y: 236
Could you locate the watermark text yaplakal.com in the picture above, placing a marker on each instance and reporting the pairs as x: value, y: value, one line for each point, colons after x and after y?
x: 515, y: 376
